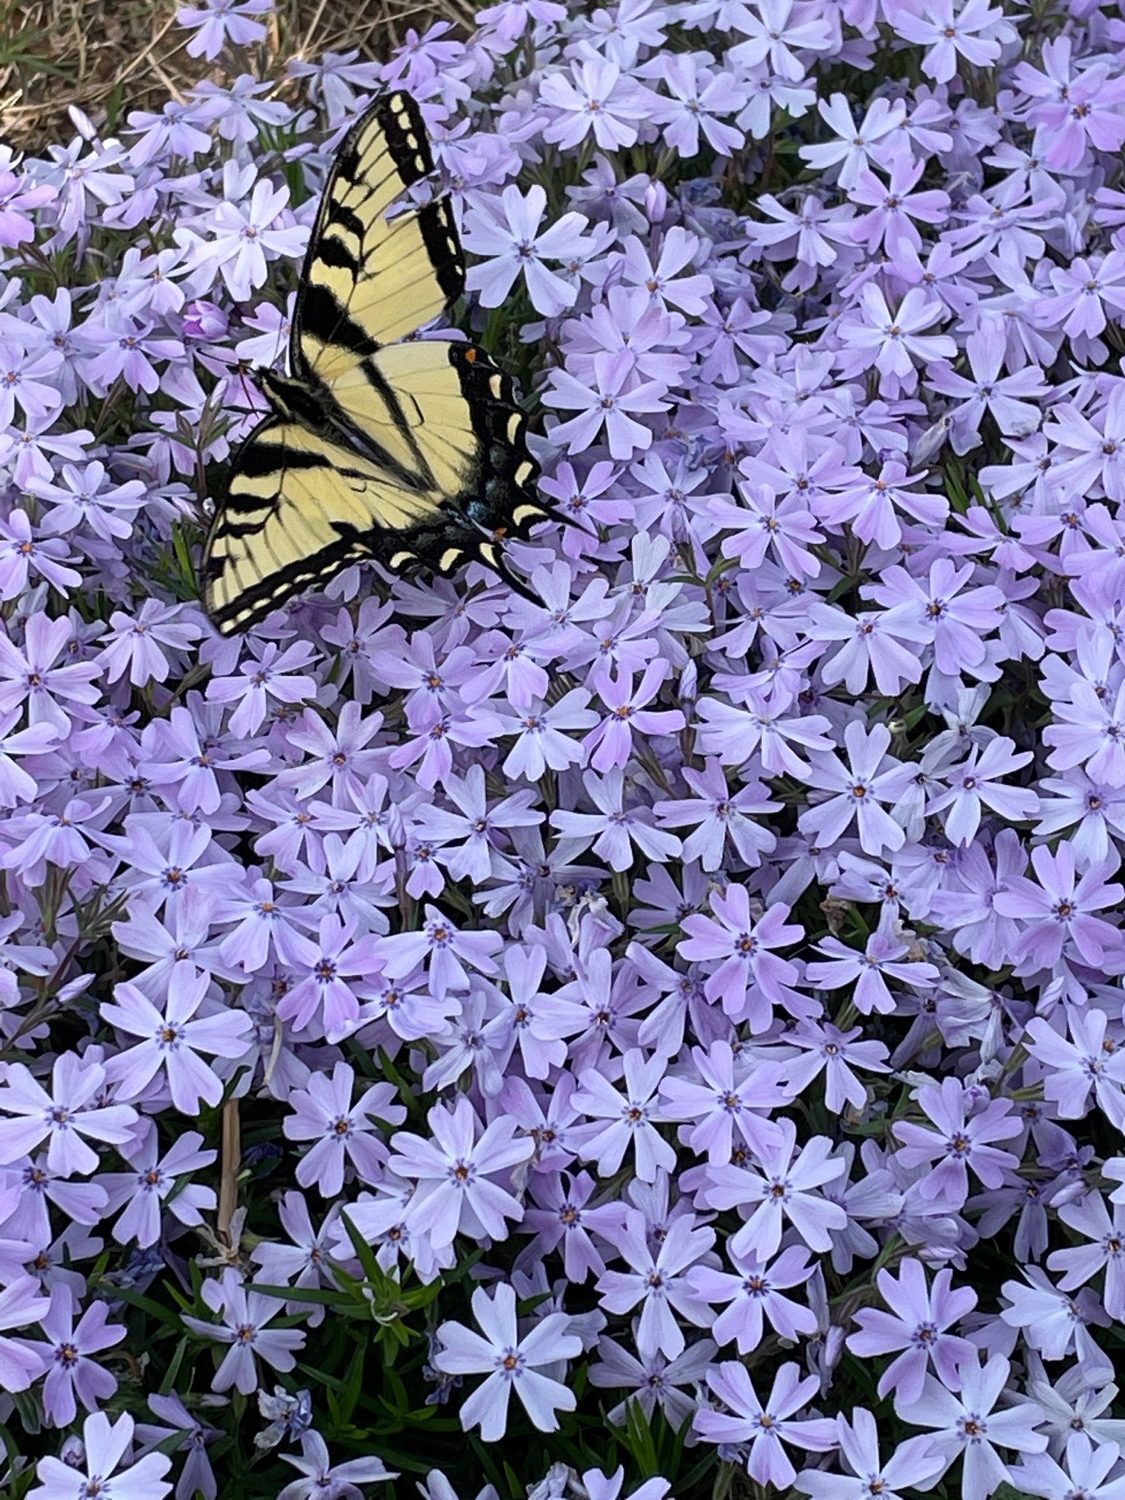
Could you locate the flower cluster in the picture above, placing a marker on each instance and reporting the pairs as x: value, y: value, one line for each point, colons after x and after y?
x: 675, y: 1026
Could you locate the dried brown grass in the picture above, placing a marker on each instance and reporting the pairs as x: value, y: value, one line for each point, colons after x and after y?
x: 111, y: 56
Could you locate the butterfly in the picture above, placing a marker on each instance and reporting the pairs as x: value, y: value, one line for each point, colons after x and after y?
x: 379, y: 446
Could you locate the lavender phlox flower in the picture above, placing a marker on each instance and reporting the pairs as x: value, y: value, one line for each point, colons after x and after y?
x: 63, y: 1117
x: 720, y: 816
x: 454, y: 1171
x: 912, y: 1465
x: 192, y: 871
x: 949, y: 34
x: 729, y: 1095
x: 1054, y: 1322
x: 614, y: 829
x: 597, y: 99
x: 507, y: 232
x: 871, y: 778
x: 652, y: 1380
x: 172, y: 1039
x: 968, y: 1425
x: 1060, y: 909
x: 824, y: 1048
x: 34, y: 675
x: 659, y: 1279
x: 246, y: 1316
x: 27, y: 557
x: 609, y: 399
x: 73, y: 1376
x: 1090, y: 1218
x: 779, y: 1188
x: 762, y: 523
x: 509, y: 1361
x: 323, y: 1112
x: 957, y: 615
x: 140, y: 643
x: 918, y: 1323
x: 1073, y: 1401
x: 735, y: 734
x: 1088, y: 1470
x: 104, y: 1449
x: 856, y: 146
x: 155, y: 1183
x: 897, y: 341
x: 1080, y: 108
x: 21, y: 1305
x: 750, y: 978
x: 765, y: 1426
x: 562, y: 1218
x: 755, y: 1296
x: 542, y: 738
x: 219, y: 22
x: 961, y: 1140
x: 883, y: 957
x: 447, y: 951
x: 197, y: 1475
x: 630, y: 1118
x: 1071, y: 1068
x: 973, y: 786
x: 326, y: 1481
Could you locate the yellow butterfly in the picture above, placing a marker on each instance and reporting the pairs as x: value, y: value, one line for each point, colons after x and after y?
x: 409, y: 453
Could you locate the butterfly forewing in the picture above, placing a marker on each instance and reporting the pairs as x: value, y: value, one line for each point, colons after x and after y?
x: 299, y: 508
x: 369, y: 280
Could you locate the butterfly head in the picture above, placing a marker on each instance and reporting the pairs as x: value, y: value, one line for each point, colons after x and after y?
x: 290, y: 399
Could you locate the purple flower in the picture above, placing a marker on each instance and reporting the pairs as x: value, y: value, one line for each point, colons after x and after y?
x: 609, y: 399
x: 629, y: 1116
x: 960, y: 1142
x: 614, y: 829
x: 627, y: 716
x: 21, y: 1304
x: 1060, y: 908
x: 1088, y: 1470
x: 658, y: 1280
x: 101, y: 1469
x: 323, y: 1481
x: 218, y: 22
x: 323, y: 1112
x: 764, y: 1426
x: 510, y: 1362
x: 507, y: 232
x: 872, y: 777
x: 750, y: 978
x: 455, y: 1193
x: 63, y: 1118
x: 911, y: 1466
x: 918, y: 1323
x: 72, y: 1375
x: 595, y: 100
x: 730, y: 1095
x: 172, y: 1040
x: 246, y: 1316
x: 968, y: 1425
x: 447, y: 952
x: 780, y: 1189
x: 755, y: 1296
x: 949, y: 35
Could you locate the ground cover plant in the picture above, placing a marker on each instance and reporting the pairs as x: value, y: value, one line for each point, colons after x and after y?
x: 664, y: 1041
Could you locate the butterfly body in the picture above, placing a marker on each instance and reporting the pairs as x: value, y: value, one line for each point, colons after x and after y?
x: 378, y: 445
